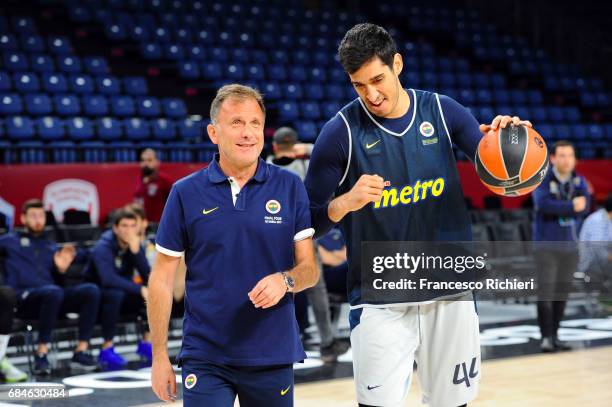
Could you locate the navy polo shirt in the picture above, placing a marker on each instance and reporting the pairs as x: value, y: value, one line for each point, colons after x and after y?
x: 231, y: 239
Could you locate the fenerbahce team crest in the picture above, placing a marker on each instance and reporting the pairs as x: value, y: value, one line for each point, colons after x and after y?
x: 273, y: 207
x: 427, y: 131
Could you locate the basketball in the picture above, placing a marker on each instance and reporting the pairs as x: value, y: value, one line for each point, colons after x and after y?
x: 512, y: 161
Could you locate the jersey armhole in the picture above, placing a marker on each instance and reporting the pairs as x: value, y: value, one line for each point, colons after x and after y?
x: 350, y: 147
x: 443, y: 120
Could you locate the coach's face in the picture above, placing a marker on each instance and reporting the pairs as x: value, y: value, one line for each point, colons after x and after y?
x: 238, y: 131
x: 378, y: 86
x: 564, y: 159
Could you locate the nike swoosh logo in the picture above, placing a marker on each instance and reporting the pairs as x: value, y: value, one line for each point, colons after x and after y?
x: 283, y: 392
x: 369, y: 146
x: 206, y: 212
x: 373, y: 387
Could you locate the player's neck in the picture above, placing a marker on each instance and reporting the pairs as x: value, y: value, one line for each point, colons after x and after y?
x: 241, y: 174
x: 402, y: 107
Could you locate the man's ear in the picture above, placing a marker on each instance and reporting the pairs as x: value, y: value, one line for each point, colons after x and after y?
x: 398, y: 64
x: 212, y: 133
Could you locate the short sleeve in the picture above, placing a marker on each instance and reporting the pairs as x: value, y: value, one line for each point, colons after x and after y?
x: 171, y: 233
x: 303, y: 228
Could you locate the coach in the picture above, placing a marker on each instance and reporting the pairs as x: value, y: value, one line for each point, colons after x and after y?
x: 244, y: 228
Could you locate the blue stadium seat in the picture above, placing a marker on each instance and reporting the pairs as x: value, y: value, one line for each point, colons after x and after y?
x: 63, y: 152
x: 204, y: 152
x: 211, y: 70
x: 79, y: 128
x: 10, y: 103
x: 136, y: 129
x: 19, y: 128
x: 50, y: 128
x: 80, y: 14
x: 317, y: 75
x: 69, y: 64
x: 467, y: 97
x: 38, y: 104
x: 276, y: 72
x: 5, y: 82
x: 151, y: 51
x: 271, y: 90
x: 337, y: 75
x: 608, y: 131
x: 292, y: 91
x: 59, y: 45
x: 96, y: 65
x: 108, y: 85
x: 32, y: 44
x: 81, y: 84
x: 23, y: 25
x: 255, y: 72
x: 234, y: 72
x: 310, y: 110
x: 579, y: 131
x: 484, y: 97
x: 572, y: 114
x: 95, y: 105
x: 586, y: 151
x: 538, y: 115
x: 163, y: 129
x: 297, y: 73
x: 301, y: 58
x: 447, y: 79
x: 94, y: 151
x: 545, y: 130
x: 135, y: 85
x: 115, y: 32
x: 54, y: 83
x: 139, y: 33
x: 26, y: 82
x: 555, y: 114
x: 238, y: 56
x: 196, y: 52
x: 596, y: 132
x: 179, y: 152
x: 108, y: 128
x: 315, y: 91
x: 173, y: 52
x: 31, y: 152
x: 330, y: 109
x: 306, y: 130
x: 188, y: 70
x: 122, y: 106
x: 288, y: 111
x: 15, y: 61
x: 66, y: 105
x: 174, y: 107
x: 123, y: 152
x: 8, y: 42
x: 218, y: 54
x: 189, y: 129
x: 148, y: 106
x: 562, y: 132
x: 42, y: 63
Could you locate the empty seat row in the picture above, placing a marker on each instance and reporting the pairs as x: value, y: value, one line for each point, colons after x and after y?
x: 33, y: 43
x: 20, y: 62
x: 27, y: 82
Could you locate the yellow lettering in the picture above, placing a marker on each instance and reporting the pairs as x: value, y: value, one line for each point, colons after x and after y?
x: 405, y: 195
x: 386, y: 195
x: 424, y: 187
x: 438, y: 187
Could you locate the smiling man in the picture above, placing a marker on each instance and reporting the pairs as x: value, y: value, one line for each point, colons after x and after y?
x: 244, y: 228
x: 384, y: 169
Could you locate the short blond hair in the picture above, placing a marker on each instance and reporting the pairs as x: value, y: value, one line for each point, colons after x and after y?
x: 237, y: 91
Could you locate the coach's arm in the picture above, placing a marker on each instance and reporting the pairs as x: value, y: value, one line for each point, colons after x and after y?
x: 159, y: 306
x: 271, y: 289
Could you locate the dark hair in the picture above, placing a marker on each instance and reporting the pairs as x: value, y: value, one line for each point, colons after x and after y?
x: 364, y: 42
x: 121, y: 214
x: 608, y: 202
x: 136, y: 209
x: 31, y: 203
x: 562, y: 143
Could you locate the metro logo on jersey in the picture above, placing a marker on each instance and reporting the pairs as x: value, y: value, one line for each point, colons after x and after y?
x: 410, y: 193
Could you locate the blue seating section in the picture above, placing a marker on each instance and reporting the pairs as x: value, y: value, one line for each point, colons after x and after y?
x: 50, y: 94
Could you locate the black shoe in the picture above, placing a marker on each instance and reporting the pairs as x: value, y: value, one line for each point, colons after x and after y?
x: 41, y: 365
x: 331, y: 352
x: 83, y: 360
x: 560, y: 345
x: 547, y: 345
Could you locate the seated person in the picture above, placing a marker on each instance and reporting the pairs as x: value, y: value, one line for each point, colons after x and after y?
x: 332, y: 252
x: 114, y: 260
x: 8, y: 372
x: 33, y: 265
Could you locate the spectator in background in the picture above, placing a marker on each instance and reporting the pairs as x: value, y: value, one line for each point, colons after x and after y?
x: 560, y: 202
x: 289, y: 154
x: 331, y: 249
x: 595, y: 256
x: 33, y: 266
x: 114, y: 260
x: 153, y: 186
x: 8, y: 372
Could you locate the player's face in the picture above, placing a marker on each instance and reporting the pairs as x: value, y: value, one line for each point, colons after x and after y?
x: 238, y: 132
x: 378, y: 86
x: 564, y: 159
x: 34, y: 220
x: 124, y: 229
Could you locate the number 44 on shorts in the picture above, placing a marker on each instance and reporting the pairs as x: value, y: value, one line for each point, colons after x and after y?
x: 466, y: 378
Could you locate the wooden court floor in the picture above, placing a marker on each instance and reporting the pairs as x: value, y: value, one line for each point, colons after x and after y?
x: 578, y: 378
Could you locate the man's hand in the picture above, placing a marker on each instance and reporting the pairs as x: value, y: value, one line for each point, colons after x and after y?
x: 268, y: 291
x: 367, y: 189
x: 144, y: 291
x: 503, y: 121
x: 163, y: 378
x: 133, y: 241
x: 580, y: 203
x: 64, y: 257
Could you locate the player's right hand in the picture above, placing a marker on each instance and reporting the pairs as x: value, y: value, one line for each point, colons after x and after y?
x: 579, y: 203
x: 367, y: 189
x: 163, y: 379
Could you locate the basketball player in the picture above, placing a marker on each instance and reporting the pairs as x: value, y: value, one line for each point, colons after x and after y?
x: 398, y: 137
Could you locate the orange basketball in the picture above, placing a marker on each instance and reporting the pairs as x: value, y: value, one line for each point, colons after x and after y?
x: 512, y: 161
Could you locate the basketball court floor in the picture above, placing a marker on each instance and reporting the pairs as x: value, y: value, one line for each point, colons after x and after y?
x: 514, y: 372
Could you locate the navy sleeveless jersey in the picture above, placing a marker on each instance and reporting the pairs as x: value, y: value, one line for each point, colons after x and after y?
x: 422, y: 199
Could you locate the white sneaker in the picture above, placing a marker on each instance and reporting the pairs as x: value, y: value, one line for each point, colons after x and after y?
x: 10, y: 374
